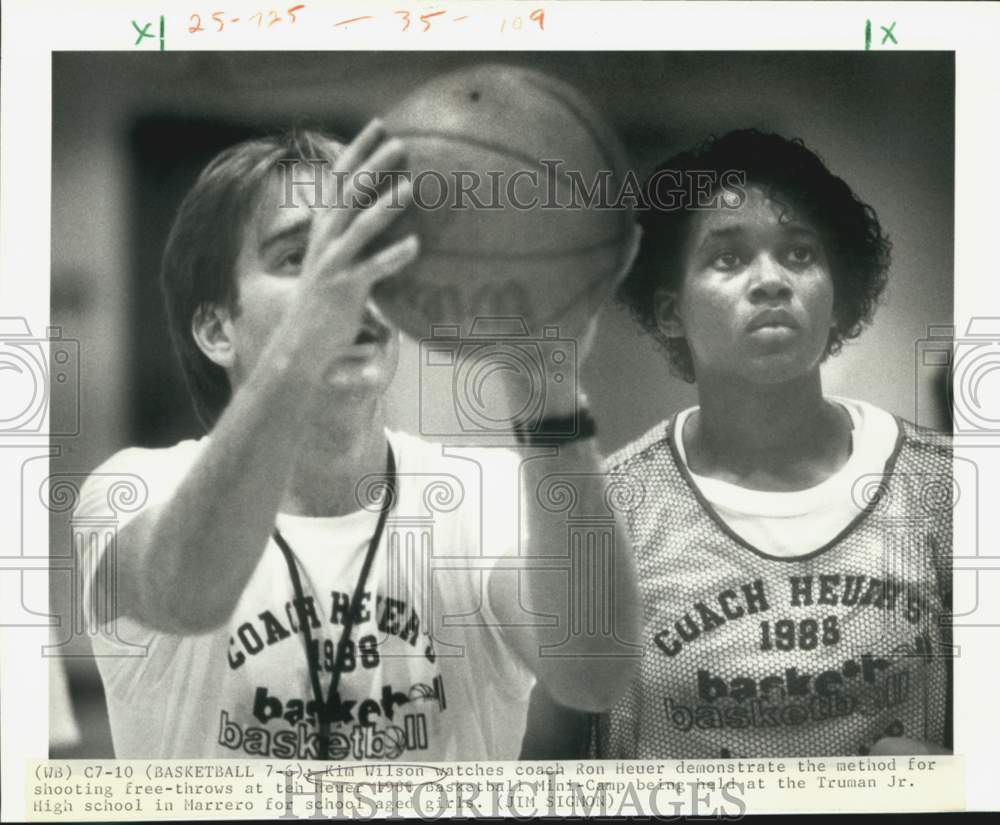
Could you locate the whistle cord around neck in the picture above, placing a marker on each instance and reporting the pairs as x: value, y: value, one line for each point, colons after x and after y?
x: 323, y: 708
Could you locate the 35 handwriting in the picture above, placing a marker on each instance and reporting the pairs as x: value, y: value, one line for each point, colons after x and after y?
x: 408, y: 19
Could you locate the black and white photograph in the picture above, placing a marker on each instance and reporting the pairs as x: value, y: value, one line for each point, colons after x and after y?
x: 461, y: 406
x: 497, y: 409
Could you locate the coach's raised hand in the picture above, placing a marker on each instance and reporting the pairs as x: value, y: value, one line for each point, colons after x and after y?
x: 337, y: 269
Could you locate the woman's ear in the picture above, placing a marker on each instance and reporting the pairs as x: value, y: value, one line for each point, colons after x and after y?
x: 212, y: 328
x: 665, y: 309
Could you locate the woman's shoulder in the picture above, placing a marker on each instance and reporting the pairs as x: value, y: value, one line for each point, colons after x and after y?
x: 652, y: 445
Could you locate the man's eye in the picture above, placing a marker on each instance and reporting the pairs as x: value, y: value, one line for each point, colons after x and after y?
x: 801, y: 255
x: 726, y: 261
x: 291, y: 260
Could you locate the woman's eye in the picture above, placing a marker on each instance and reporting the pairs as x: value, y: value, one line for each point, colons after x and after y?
x: 726, y: 261
x: 801, y: 255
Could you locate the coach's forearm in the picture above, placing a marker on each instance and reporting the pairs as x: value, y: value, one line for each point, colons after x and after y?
x: 592, y: 649
x: 189, y: 561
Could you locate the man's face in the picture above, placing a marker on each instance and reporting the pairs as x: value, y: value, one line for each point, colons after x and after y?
x: 267, y: 273
x: 757, y: 297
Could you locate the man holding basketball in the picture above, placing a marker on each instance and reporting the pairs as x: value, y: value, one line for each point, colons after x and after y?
x: 283, y: 614
x: 794, y: 563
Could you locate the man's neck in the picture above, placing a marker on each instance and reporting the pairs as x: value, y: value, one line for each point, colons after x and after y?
x: 336, y: 453
x: 775, y: 437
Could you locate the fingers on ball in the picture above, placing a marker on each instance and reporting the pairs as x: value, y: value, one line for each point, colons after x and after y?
x: 365, y: 188
x: 389, y: 261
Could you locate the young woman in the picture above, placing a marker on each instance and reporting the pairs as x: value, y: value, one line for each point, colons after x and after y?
x: 793, y: 566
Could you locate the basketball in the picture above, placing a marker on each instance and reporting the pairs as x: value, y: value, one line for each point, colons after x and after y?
x: 508, y: 167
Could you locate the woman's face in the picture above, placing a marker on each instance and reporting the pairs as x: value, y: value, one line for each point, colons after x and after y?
x: 756, y: 301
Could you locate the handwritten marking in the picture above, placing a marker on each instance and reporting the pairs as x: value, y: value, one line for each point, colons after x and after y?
x: 143, y: 32
x: 353, y: 20
x: 407, y: 17
x: 425, y: 19
x: 220, y: 20
x: 516, y: 23
x: 888, y: 33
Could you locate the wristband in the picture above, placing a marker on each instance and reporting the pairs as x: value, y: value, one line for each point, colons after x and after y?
x: 555, y: 430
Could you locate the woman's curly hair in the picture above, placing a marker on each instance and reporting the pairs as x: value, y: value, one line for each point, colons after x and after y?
x: 790, y: 173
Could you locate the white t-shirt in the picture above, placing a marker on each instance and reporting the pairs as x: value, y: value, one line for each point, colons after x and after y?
x: 431, y: 676
x: 793, y: 523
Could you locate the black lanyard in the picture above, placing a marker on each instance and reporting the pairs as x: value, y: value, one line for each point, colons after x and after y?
x: 323, y: 709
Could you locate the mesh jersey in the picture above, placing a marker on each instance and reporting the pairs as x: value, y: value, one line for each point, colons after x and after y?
x: 751, y: 655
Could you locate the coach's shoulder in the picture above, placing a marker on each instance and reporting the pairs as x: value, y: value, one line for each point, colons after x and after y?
x: 178, y: 457
x: 650, y: 446
x: 134, y: 477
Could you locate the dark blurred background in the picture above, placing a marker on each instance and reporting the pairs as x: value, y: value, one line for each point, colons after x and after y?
x: 131, y: 131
